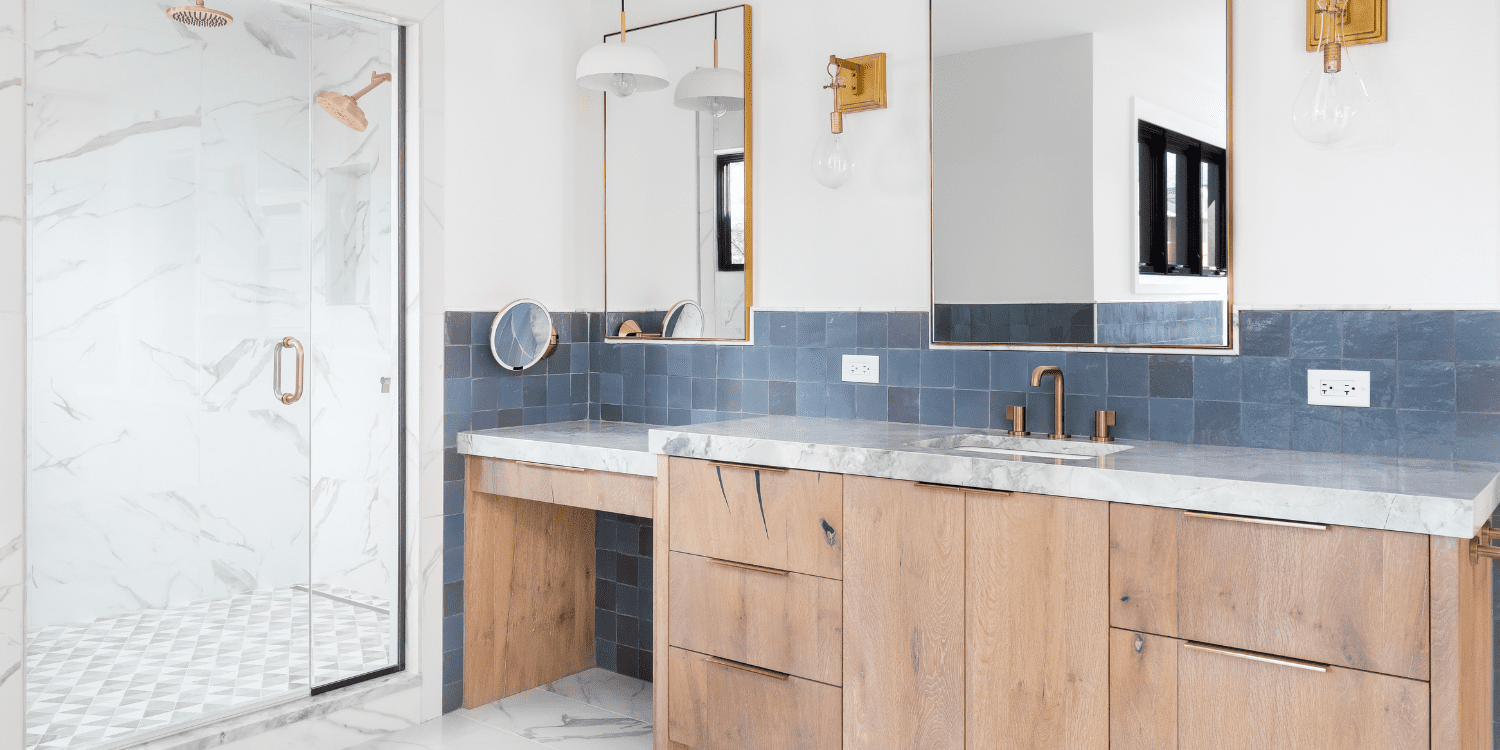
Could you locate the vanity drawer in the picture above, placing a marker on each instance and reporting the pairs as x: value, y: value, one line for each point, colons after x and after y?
x: 1350, y: 597
x: 774, y: 518
x: 720, y: 705
x: 785, y: 622
x: 1230, y: 700
x: 628, y: 494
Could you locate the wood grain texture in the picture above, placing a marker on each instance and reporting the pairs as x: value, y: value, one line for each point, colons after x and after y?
x: 1462, y: 650
x: 1232, y: 703
x: 725, y: 708
x: 660, y: 616
x: 904, y: 602
x: 1143, y: 568
x: 790, y: 622
x: 1037, y: 609
x: 529, y: 595
x: 1142, y: 691
x: 597, y: 490
x: 1352, y: 597
x: 788, y: 520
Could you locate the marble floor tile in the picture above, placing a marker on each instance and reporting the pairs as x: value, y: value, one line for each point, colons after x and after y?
x: 560, y: 722
x: 609, y: 691
x: 451, y: 732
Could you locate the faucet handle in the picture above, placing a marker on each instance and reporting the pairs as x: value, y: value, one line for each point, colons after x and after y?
x: 1017, y: 417
x: 1103, y: 420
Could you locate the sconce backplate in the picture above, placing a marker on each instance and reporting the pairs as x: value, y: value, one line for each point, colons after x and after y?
x: 868, y: 91
x: 1366, y: 23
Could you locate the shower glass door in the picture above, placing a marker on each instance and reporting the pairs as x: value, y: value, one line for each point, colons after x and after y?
x: 199, y: 542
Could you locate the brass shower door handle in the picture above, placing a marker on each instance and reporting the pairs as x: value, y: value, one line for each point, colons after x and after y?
x: 294, y: 396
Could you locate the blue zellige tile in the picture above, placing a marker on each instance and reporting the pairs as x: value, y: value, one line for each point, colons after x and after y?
x: 1477, y: 335
x: 1428, y: 386
x: 1317, y: 334
x: 1426, y: 336
x: 1370, y: 334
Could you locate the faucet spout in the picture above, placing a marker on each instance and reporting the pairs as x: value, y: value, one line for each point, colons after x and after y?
x: 1057, y: 397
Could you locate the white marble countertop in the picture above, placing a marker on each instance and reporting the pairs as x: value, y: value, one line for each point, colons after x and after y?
x: 602, y: 446
x: 1445, y: 498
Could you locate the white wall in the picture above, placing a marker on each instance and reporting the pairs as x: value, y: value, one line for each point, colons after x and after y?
x: 1406, y: 215
x: 1013, y: 173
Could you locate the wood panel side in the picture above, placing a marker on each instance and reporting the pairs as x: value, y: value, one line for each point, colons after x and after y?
x: 1037, y: 610
x: 628, y: 494
x: 786, y: 622
x: 529, y: 595
x: 1356, y: 598
x: 1143, y: 568
x: 904, y: 613
x: 1462, y: 650
x: 1230, y: 702
x: 661, y: 656
x: 1142, y: 691
x: 788, y: 520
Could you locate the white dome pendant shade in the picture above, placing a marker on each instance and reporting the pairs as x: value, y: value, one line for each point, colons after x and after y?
x: 622, y: 68
x: 714, y: 90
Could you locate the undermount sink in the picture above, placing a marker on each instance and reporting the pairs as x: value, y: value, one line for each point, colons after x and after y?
x: 1067, y: 450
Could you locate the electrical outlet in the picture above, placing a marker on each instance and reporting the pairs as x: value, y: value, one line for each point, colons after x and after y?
x: 861, y: 369
x: 1338, y: 388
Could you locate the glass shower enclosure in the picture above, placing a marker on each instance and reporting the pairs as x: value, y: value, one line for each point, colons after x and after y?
x: 214, y: 509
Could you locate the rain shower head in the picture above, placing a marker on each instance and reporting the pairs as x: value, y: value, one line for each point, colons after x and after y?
x: 346, y: 108
x: 197, y: 15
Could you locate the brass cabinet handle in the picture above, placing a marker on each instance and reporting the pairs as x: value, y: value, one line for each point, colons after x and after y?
x: 976, y: 490
x: 550, y: 466
x: 1251, y: 656
x: 747, y: 668
x: 1259, y: 521
x: 1479, y: 546
x: 747, y: 467
x: 295, y: 396
x: 749, y: 567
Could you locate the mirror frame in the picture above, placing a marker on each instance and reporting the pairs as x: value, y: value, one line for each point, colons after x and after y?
x: 495, y: 328
x: 749, y: 183
x: 1230, y: 319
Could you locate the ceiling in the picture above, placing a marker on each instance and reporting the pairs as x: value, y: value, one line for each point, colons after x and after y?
x: 968, y: 25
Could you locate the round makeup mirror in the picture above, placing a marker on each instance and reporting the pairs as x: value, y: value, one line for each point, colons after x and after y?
x: 522, y: 335
x: 683, y: 321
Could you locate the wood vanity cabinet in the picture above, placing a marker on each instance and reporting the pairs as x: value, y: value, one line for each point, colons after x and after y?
x: 942, y: 618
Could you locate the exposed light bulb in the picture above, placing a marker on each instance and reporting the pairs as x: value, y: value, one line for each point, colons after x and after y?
x: 833, y: 165
x: 1333, y: 103
x: 622, y: 84
x: 716, y: 106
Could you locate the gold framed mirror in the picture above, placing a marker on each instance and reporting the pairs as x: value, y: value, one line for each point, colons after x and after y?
x: 1082, y: 174
x: 678, y: 182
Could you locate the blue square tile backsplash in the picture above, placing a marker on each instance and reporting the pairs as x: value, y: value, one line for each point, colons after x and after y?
x: 1434, y: 376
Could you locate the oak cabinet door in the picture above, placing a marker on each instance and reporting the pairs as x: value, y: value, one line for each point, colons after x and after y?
x: 1231, y: 700
x: 1038, y: 622
x: 904, y: 602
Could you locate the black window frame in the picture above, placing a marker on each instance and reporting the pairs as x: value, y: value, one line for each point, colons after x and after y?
x: 726, y: 228
x: 1154, y: 144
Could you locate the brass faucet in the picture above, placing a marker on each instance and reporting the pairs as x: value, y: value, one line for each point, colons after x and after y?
x: 1057, y: 397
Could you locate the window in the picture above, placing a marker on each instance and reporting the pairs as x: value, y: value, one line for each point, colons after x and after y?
x: 1184, y: 227
x: 731, y: 212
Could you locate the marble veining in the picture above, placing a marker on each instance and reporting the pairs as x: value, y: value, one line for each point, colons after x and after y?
x: 619, y: 447
x: 1444, y: 498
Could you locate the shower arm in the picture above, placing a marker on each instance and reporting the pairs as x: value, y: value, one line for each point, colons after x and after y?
x: 375, y: 80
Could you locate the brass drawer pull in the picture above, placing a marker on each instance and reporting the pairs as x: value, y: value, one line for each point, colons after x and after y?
x: 975, y: 490
x: 550, y: 466
x: 1258, y: 521
x: 1307, y: 665
x: 747, y: 668
x: 747, y: 467
x: 749, y: 567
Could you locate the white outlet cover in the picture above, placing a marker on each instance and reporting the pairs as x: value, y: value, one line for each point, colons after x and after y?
x: 860, y: 368
x: 1338, y: 388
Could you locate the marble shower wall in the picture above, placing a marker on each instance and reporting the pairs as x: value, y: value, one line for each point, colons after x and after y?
x: 12, y: 369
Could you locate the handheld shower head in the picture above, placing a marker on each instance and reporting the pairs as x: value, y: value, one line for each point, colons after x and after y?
x: 197, y: 15
x: 346, y: 109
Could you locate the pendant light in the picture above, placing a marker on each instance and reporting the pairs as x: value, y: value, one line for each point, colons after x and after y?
x: 715, y: 90
x: 622, y: 68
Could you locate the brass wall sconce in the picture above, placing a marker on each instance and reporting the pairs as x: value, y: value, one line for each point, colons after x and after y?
x: 858, y: 85
x: 1333, y: 103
